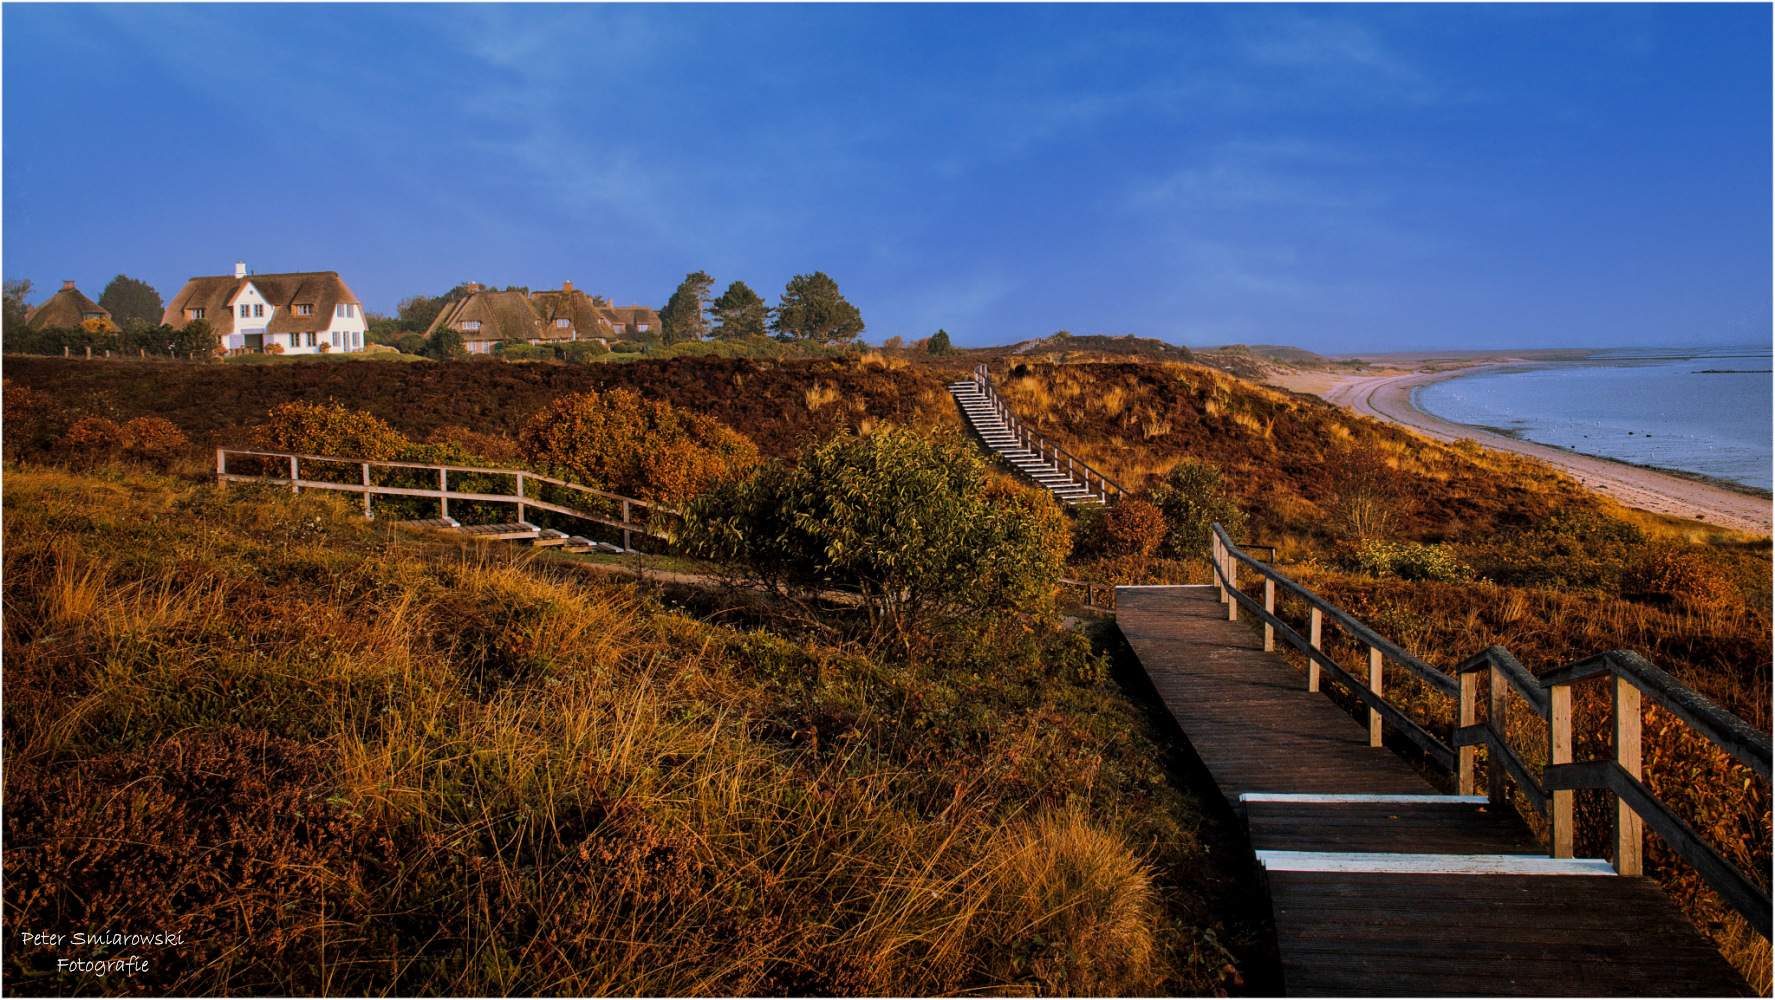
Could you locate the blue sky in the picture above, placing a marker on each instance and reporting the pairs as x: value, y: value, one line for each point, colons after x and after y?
x: 1341, y: 178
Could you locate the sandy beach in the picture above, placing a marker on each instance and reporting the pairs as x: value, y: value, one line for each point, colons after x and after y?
x: 1387, y: 396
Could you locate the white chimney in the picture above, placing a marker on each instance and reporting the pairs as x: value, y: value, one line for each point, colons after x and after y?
x: 240, y: 269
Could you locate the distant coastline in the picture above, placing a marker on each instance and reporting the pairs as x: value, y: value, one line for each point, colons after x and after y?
x: 1390, y: 396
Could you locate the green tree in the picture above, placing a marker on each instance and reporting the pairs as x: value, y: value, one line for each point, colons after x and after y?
x: 813, y: 309
x: 195, y: 338
x: 938, y: 343
x: 1193, y: 497
x: 131, y: 301
x: 13, y: 308
x: 410, y: 342
x: 741, y: 312
x: 445, y: 344
x: 916, y: 523
x: 683, y: 317
x: 418, y: 311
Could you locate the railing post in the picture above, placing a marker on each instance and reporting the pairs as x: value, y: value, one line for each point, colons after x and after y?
x: 366, y: 468
x: 221, y: 467
x: 625, y: 526
x: 1232, y: 586
x: 443, y: 487
x: 1629, y: 828
x: 1495, y: 773
x: 1559, y: 751
x: 1269, y: 605
x: 1469, y: 709
x: 520, y: 496
x: 1375, y: 680
x: 1315, y: 627
x: 294, y: 475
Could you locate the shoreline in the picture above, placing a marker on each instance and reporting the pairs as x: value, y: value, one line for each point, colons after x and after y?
x: 1675, y: 493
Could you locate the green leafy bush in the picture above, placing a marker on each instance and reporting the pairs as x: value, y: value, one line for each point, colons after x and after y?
x: 915, y: 523
x: 1408, y: 561
x: 1193, y: 497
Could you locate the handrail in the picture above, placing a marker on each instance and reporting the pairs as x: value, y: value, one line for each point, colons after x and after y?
x: 1025, y: 434
x: 1550, y: 697
x: 443, y: 494
x: 385, y: 464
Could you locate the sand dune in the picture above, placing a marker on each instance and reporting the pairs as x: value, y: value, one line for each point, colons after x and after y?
x: 1388, y: 397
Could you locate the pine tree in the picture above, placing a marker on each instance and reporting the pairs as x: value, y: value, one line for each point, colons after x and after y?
x: 938, y: 343
x: 131, y: 302
x: 813, y: 309
x: 740, y: 312
x: 683, y: 318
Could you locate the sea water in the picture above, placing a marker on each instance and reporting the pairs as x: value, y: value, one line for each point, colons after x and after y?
x: 1704, y: 411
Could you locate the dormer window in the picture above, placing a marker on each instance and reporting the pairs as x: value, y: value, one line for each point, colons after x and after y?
x: 194, y: 314
x: 305, y: 310
x: 563, y: 324
x: 471, y: 326
x: 95, y: 316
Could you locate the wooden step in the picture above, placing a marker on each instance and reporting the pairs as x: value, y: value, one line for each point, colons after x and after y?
x: 501, y: 532
x: 429, y: 522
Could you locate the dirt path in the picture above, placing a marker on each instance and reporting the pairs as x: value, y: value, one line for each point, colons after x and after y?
x: 1388, y: 397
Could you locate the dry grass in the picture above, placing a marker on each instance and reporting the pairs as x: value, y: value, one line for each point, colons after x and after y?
x: 442, y: 768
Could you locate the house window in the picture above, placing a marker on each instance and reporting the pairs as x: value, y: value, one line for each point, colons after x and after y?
x: 309, y: 339
x: 472, y: 326
x: 336, y: 338
x: 305, y: 310
x: 245, y: 311
x: 642, y: 328
x: 351, y: 310
x: 563, y: 324
x: 259, y: 309
x: 194, y: 314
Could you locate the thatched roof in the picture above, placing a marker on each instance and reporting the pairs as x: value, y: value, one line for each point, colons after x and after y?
x: 321, y: 290
x: 67, y: 308
x: 515, y: 316
x: 501, y: 315
x: 628, y: 320
x: 584, y: 320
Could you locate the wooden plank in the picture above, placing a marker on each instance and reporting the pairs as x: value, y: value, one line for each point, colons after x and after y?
x: 1299, y: 770
x: 1431, y: 864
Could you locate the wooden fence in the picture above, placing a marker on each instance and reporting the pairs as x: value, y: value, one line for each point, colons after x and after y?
x: 443, y: 494
x: 1630, y: 678
x: 1074, y: 467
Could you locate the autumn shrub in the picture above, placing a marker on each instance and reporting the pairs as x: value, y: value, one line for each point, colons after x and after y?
x: 487, y: 446
x: 618, y: 441
x: 1131, y: 526
x: 915, y: 523
x: 93, y: 436
x: 27, y: 417
x: 1687, y: 579
x: 152, y: 437
x: 1193, y: 498
x: 328, y: 429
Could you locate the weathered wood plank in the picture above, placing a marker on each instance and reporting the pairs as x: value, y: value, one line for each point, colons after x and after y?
x: 1249, y: 718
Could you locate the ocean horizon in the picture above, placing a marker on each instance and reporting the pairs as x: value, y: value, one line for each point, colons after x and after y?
x: 1706, y: 411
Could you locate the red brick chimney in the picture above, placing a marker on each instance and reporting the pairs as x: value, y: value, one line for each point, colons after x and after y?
x: 473, y: 288
x: 566, y: 286
x: 67, y: 286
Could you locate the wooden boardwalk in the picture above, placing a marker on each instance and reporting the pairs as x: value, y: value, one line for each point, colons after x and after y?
x: 1379, y: 885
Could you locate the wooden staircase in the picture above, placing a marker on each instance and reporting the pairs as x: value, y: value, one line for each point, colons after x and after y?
x: 1049, y: 466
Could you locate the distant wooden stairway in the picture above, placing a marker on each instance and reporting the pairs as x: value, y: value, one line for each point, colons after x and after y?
x: 1050, y: 466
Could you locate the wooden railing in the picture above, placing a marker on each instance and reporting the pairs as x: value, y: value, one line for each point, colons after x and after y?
x: 443, y: 494
x: 1075, y: 468
x: 1550, y: 697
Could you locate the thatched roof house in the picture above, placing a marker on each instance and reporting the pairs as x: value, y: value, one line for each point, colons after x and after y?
x: 297, y: 312
x: 632, y: 321
x: 68, y: 308
x: 487, y: 318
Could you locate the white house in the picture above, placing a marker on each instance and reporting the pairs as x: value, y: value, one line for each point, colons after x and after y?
x: 307, y: 312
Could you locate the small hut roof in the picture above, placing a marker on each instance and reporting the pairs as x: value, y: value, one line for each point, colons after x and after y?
x: 502, y: 315
x: 584, y: 319
x: 66, y: 308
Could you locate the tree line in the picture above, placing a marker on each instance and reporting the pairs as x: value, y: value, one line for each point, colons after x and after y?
x: 811, y: 309
x: 134, y: 327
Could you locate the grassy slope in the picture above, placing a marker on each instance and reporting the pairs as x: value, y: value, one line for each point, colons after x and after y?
x: 340, y: 758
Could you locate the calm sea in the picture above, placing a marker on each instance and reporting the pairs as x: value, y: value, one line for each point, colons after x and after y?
x: 1706, y: 411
